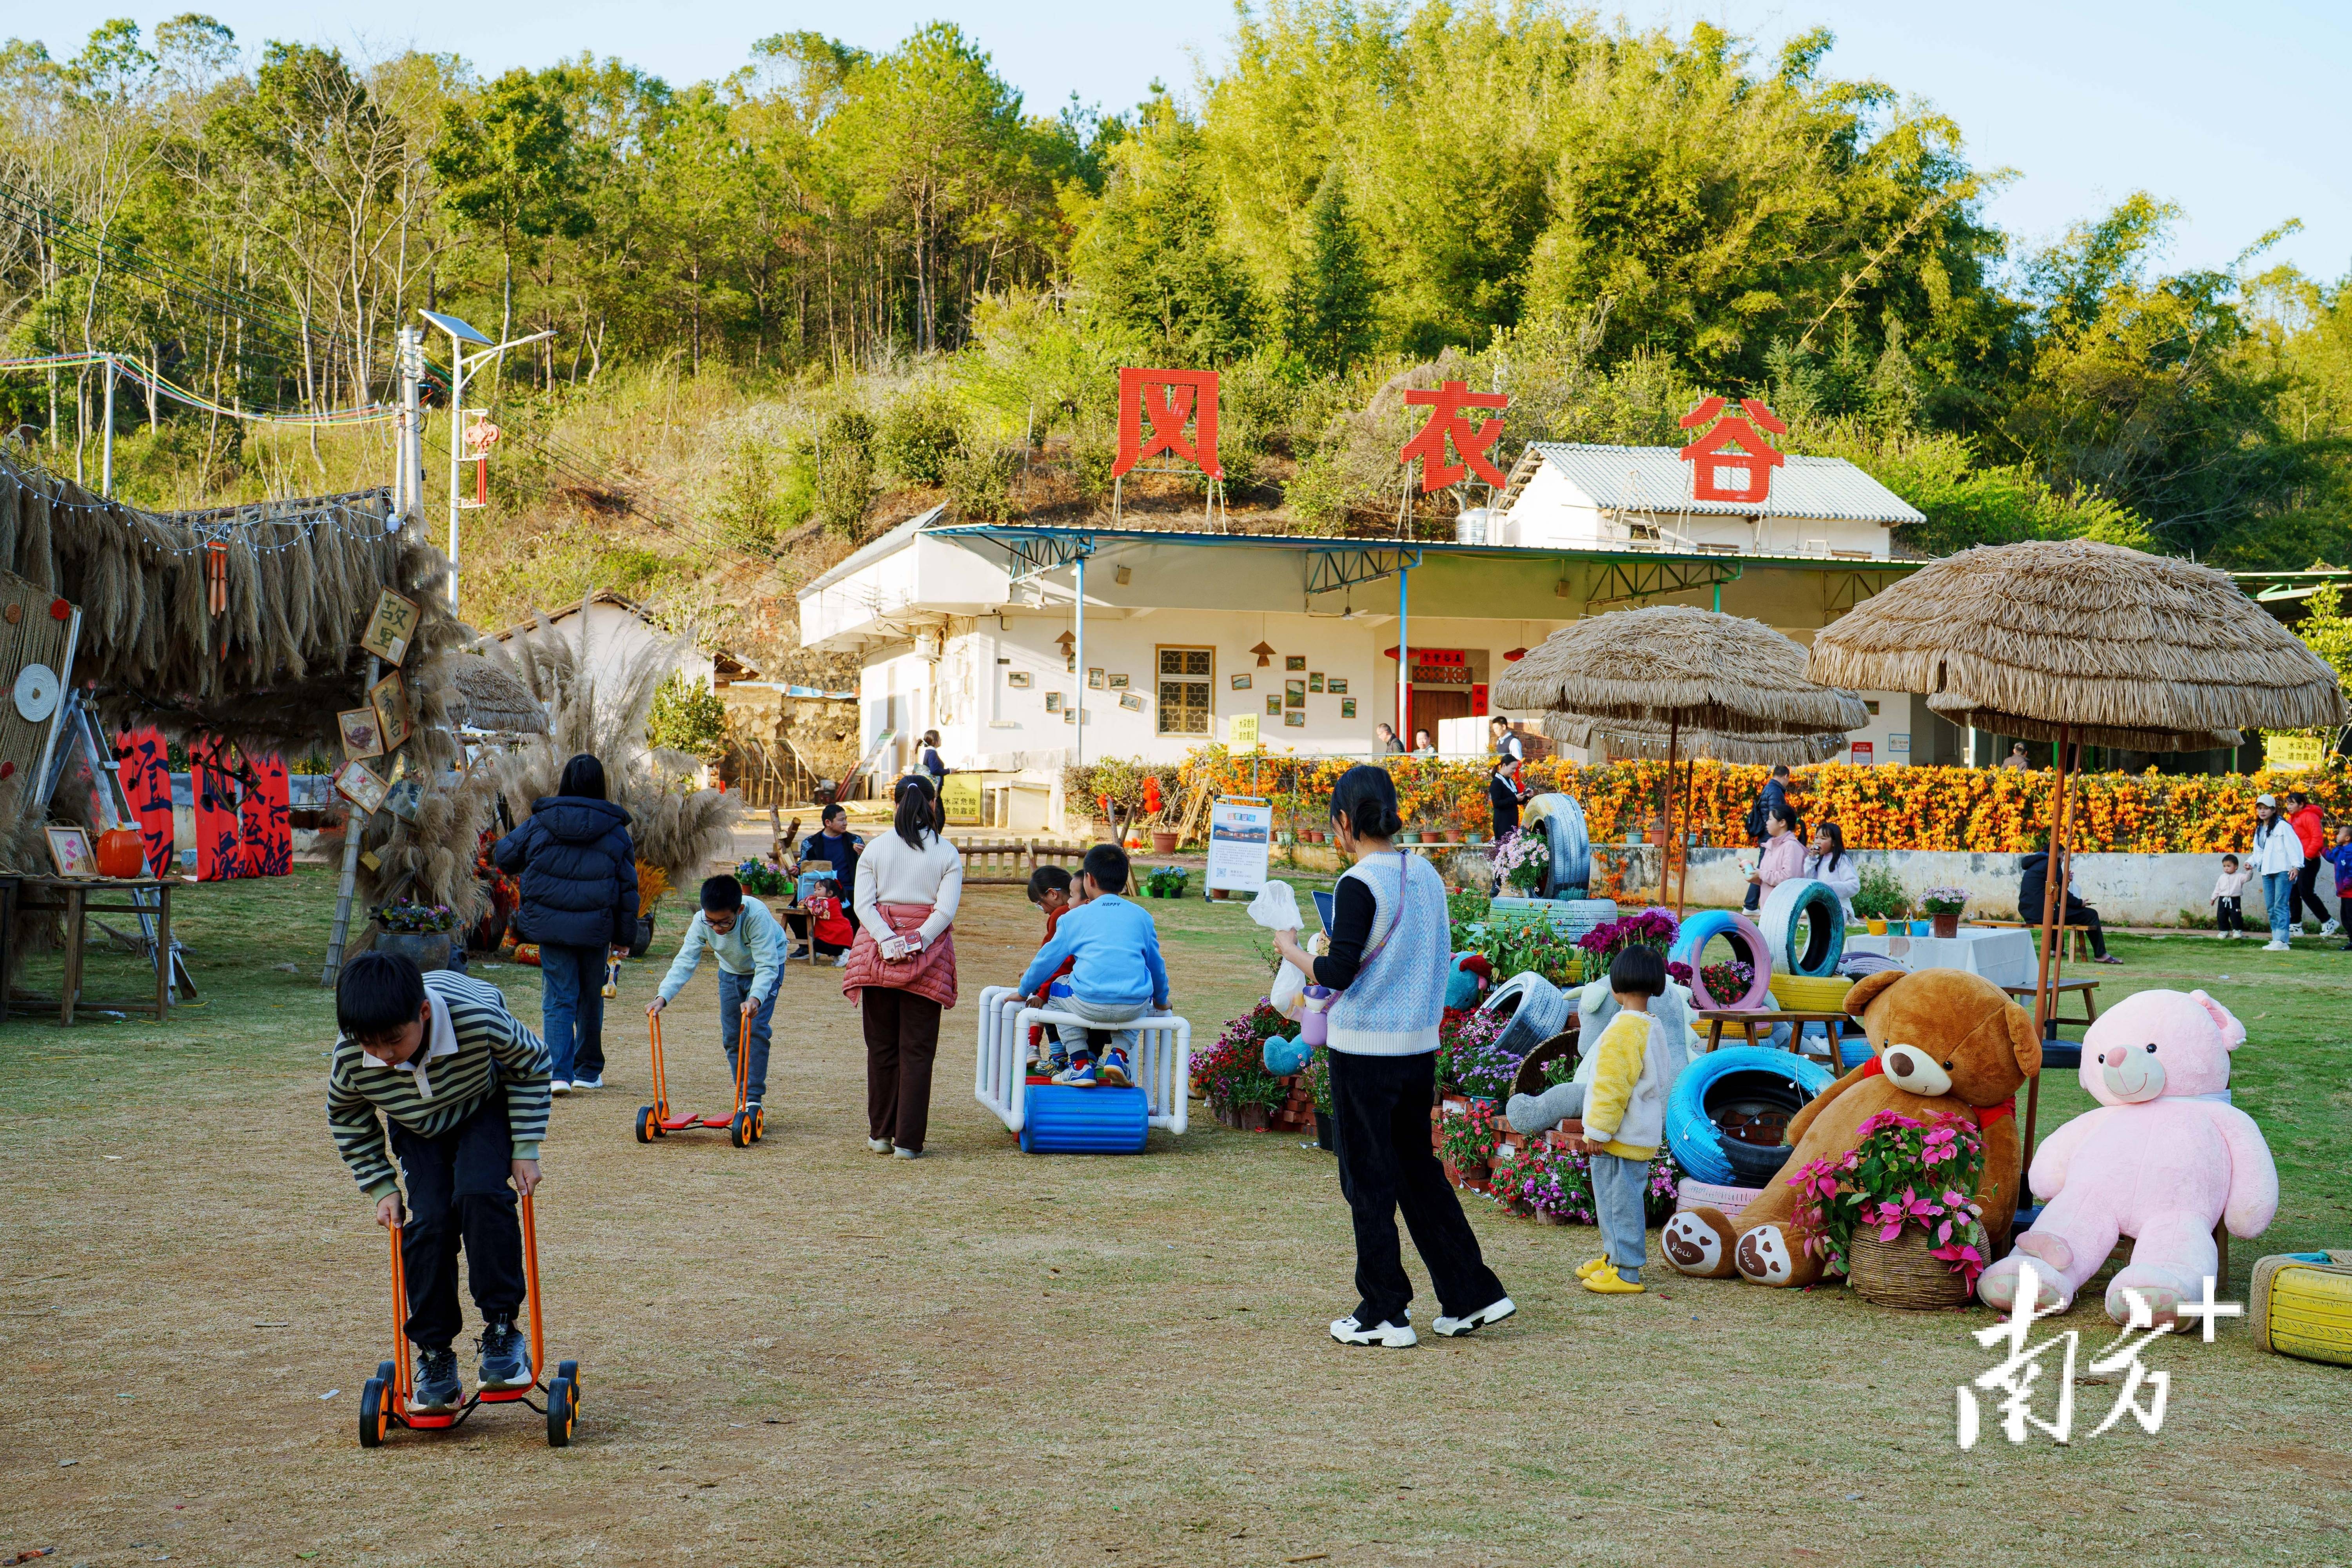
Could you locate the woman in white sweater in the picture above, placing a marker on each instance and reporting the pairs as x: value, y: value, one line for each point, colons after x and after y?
x: 902, y: 967
x: 1830, y: 863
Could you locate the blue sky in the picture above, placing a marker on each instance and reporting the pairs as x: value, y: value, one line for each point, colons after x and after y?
x: 2232, y: 109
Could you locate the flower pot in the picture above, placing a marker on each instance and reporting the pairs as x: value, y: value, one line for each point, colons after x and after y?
x: 1946, y: 925
x: 1550, y: 1216
x: 1877, y: 928
x: 1474, y: 838
x: 1163, y: 843
x: 1252, y: 1118
x: 429, y: 949
x: 1903, y: 1272
x: 1409, y: 836
x: 1325, y: 1128
x: 643, y: 938
x: 1312, y: 836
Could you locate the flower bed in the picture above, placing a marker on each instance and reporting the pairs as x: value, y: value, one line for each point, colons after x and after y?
x: 1990, y: 810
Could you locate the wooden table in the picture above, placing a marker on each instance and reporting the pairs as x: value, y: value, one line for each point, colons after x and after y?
x: 2086, y: 989
x: 1751, y: 1022
x: 77, y: 898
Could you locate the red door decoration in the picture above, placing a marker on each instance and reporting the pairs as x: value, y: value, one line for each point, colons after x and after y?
x: 220, y: 849
x: 1446, y: 422
x: 1733, y: 461
x: 265, y: 820
x: 147, y: 781
x: 1167, y: 401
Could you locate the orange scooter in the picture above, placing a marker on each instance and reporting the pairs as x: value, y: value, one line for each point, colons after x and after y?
x: 384, y: 1399
x: 746, y: 1126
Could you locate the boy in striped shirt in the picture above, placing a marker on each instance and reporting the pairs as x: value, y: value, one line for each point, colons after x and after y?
x: 462, y: 1087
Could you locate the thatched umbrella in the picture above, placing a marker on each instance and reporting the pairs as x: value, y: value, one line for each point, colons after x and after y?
x: 2081, y: 643
x: 1640, y: 738
x: 1676, y: 668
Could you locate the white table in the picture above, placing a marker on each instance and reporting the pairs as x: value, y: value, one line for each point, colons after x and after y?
x: 2003, y: 955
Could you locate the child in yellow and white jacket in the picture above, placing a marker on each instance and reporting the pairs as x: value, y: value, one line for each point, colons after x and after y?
x: 1625, y: 1117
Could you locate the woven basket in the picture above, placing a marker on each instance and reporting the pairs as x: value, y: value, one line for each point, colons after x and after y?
x: 1903, y: 1272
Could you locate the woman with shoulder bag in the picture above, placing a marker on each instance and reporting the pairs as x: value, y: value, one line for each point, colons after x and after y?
x: 902, y: 965
x: 1389, y: 961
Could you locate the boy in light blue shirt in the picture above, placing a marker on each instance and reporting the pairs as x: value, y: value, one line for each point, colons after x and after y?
x: 1116, y: 974
x: 749, y: 946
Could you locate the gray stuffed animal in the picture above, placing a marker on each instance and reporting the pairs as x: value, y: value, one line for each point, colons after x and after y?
x: 1596, y: 1004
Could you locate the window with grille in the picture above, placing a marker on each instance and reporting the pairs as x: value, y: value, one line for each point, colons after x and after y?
x: 1186, y: 679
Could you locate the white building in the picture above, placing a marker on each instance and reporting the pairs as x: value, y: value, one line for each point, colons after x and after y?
x: 995, y: 635
x: 609, y: 633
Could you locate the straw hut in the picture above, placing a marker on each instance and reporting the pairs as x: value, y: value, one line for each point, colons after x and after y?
x: 490, y: 697
x: 1644, y: 738
x: 1681, y: 667
x: 2075, y: 641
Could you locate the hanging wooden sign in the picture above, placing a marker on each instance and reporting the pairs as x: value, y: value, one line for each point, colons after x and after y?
x: 358, y: 783
x: 391, y: 627
x: 362, y: 736
x: 389, y: 697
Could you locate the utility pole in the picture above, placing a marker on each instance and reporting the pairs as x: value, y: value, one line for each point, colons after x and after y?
x: 460, y: 334
x: 106, y: 462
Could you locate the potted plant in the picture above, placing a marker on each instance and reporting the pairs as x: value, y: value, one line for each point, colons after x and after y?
x: 1166, y: 881
x: 420, y: 931
x: 1879, y: 898
x: 1468, y: 1063
x: 1522, y: 861
x: 1944, y: 905
x: 1231, y: 1074
x: 1469, y: 1141
x: 1898, y: 1214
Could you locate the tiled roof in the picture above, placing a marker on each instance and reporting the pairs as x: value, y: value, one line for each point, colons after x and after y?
x: 1656, y: 480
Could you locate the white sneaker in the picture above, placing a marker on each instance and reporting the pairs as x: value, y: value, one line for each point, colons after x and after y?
x: 1495, y: 1312
x: 561, y: 1086
x: 907, y: 1153
x: 842, y: 962
x: 878, y: 1145
x: 2330, y: 928
x: 1389, y: 1336
x: 2277, y: 947
x: 594, y: 1081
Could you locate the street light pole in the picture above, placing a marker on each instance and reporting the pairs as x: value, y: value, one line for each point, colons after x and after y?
x: 460, y: 334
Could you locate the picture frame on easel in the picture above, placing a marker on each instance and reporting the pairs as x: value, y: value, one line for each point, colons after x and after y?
x: 70, y: 853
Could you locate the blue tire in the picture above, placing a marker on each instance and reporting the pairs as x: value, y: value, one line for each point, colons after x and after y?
x: 1063, y: 1119
x: 1693, y: 1136
x: 1803, y: 922
x: 1690, y: 947
x: 1561, y: 820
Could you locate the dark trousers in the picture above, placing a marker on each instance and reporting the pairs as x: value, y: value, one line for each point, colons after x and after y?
x: 902, y: 1037
x: 458, y: 1195
x: 2307, y: 893
x: 2229, y: 916
x: 1505, y: 802
x: 2076, y: 913
x: 572, y: 1008
x: 2344, y: 917
x: 1380, y: 1107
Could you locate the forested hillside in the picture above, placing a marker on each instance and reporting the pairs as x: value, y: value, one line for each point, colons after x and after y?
x: 793, y: 304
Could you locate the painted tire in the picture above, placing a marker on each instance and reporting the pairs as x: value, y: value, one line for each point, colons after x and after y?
x: 1690, y: 1193
x: 1562, y: 821
x: 1690, y: 946
x: 1784, y: 922
x: 1693, y: 1135
x: 1537, y: 1008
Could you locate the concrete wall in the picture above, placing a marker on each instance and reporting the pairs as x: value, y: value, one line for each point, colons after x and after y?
x: 2126, y: 889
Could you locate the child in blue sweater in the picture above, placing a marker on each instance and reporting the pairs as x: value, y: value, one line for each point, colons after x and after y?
x: 1116, y: 974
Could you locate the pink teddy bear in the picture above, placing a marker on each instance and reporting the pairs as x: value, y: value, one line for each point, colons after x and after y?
x: 2162, y: 1159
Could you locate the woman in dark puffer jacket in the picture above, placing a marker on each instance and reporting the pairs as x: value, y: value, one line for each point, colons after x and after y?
x: 579, y: 874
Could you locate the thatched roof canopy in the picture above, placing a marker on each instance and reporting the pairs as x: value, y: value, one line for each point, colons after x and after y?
x: 2147, y: 652
x: 1712, y: 672
x: 489, y: 696
x: 1640, y: 738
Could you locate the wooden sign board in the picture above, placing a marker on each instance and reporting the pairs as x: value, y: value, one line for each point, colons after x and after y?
x: 390, y: 629
x: 389, y: 697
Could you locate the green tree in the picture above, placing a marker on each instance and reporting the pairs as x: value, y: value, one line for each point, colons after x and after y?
x: 509, y: 165
x: 1151, y: 256
x: 1328, y: 310
x: 687, y: 716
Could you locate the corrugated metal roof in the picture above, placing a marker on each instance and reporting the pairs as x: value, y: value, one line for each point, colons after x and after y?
x: 874, y: 549
x: 1656, y: 480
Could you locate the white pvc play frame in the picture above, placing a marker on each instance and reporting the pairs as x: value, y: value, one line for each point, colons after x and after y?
x: 1162, y: 1068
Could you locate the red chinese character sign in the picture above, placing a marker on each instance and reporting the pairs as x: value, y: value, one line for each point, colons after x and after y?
x: 1447, y: 422
x: 1155, y: 409
x: 1733, y: 461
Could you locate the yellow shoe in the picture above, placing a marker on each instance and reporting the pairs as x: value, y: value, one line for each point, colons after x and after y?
x: 1606, y: 1281
x: 1588, y: 1269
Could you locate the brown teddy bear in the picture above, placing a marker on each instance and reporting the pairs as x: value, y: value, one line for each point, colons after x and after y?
x: 1947, y: 1042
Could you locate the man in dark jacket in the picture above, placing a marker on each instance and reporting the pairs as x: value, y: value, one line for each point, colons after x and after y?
x: 578, y: 869
x: 2034, y: 886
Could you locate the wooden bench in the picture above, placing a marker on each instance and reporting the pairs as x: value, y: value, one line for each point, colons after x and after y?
x: 1007, y: 862
x: 2067, y: 946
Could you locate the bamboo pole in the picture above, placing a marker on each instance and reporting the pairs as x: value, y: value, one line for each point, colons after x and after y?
x: 2045, y: 999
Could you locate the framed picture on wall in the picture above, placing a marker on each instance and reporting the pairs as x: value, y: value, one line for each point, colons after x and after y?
x: 1241, y: 683
x: 1294, y: 720
x: 1119, y: 683
x: 1347, y: 708
x: 1131, y: 700
x: 1294, y: 694
x: 1337, y: 686
x: 1053, y: 702
x: 1018, y: 679
x: 1093, y: 680
x: 1294, y: 661
x: 1273, y: 702
x: 1315, y: 680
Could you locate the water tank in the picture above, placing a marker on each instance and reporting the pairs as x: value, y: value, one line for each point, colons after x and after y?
x: 1475, y: 525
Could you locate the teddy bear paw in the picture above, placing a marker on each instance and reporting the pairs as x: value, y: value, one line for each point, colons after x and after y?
x: 2002, y: 1284
x: 1699, y: 1242
x: 2049, y: 1248
x: 2161, y: 1288
x: 1766, y: 1256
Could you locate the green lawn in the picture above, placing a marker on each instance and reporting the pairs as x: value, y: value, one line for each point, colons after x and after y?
x: 800, y: 1354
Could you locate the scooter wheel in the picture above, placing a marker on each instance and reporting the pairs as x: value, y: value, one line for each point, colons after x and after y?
x: 563, y: 1412
x: 739, y: 1131
x: 758, y: 1125
x: 384, y: 1372
x: 372, y: 1420
x: 647, y: 1130
x: 569, y: 1371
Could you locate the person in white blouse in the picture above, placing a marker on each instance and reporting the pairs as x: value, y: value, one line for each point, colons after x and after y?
x: 902, y: 967
x: 1829, y: 862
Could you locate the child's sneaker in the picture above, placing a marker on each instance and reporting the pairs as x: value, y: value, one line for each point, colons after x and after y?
x: 506, y: 1359
x: 436, y: 1380
x: 589, y: 1080
x: 1113, y: 1070
x: 1079, y: 1074
x: 1606, y: 1281
x: 842, y: 962
x: 801, y: 950
x: 559, y: 1086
